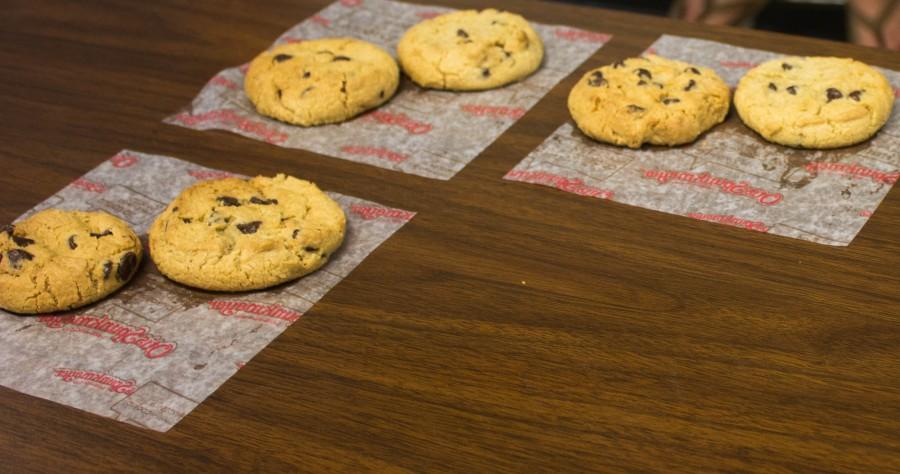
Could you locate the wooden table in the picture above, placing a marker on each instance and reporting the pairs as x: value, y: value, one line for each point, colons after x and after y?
x: 508, y: 326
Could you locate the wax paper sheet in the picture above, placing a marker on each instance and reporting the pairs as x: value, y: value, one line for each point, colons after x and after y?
x: 730, y: 175
x: 423, y: 132
x: 153, y: 351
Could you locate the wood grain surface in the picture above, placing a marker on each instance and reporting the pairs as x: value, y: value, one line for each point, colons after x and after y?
x: 508, y: 327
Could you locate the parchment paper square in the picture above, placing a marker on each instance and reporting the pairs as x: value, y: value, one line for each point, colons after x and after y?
x: 153, y: 351
x: 730, y: 175
x: 423, y: 132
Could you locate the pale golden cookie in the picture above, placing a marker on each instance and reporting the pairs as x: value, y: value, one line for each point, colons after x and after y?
x: 470, y: 50
x: 321, y: 81
x: 234, y: 234
x: 814, y: 102
x: 648, y: 100
x: 58, y: 260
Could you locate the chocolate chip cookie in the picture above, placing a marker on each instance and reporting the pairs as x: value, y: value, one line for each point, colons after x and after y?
x: 814, y: 102
x: 321, y: 81
x: 470, y: 50
x: 648, y: 100
x: 57, y: 260
x: 234, y: 234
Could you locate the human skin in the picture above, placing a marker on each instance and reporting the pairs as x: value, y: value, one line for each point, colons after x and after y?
x: 862, y: 15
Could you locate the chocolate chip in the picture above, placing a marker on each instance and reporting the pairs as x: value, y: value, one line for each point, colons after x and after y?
x: 263, y: 202
x: 175, y: 209
x: 485, y: 72
x: 72, y: 244
x: 187, y: 220
x: 670, y: 100
x: 693, y: 70
x: 381, y: 95
x: 618, y: 64
x: 642, y: 82
x: 833, y: 94
x: 9, y: 229
x: 462, y: 33
x: 772, y: 86
x: 310, y: 248
x: 641, y: 72
x: 107, y: 268
x: 306, y: 74
x: 282, y: 57
x: 635, y: 108
x: 229, y: 201
x: 792, y: 90
x: 339, y: 58
x: 786, y: 66
x: 294, y: 235
x: 22, y: 241
x: 17, y: 255
x: 596, y: 79
x: 855, y: 95
x: 278, y: 91
x: 249, y: 227
x: 126, y: 266
x: 102, y: 234
x: 324, y: 254
x: 690, y: 85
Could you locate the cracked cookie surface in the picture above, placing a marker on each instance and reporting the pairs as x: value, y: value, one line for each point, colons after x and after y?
x: 57, y: 260
x: 470, y: 50
x: 648, y: 100
x: 814, y: 102
x: 234, y: 234
x: 321, y: 81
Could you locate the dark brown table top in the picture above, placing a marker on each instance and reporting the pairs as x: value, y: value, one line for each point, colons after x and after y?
x: 639, y: 341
